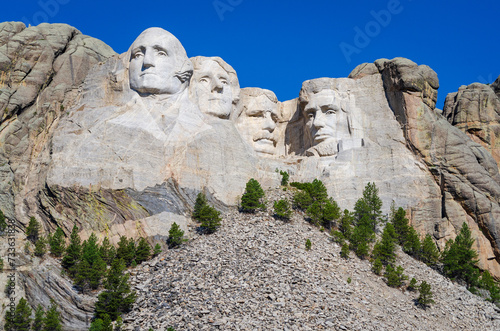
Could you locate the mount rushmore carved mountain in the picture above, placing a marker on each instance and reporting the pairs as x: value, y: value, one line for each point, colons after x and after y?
x: 121, y: 144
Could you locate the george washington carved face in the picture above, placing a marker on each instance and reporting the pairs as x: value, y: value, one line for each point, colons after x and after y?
x: 158, y: 63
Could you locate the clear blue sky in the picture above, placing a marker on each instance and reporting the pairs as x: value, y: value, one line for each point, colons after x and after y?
x: 279, y: 44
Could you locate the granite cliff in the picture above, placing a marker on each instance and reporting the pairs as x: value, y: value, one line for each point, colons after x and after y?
x: 121, y: 144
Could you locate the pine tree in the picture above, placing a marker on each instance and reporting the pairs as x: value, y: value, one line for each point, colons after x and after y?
x: 21, y: 319
x: 361, y: 236
x: 201, y: 201
x: 39, y: 317
x: 33, y: 230
x: 385, y: 249
x: 40, y: 247
x: 126, y: 250
x: 106, y: 323
x: 413, y: 285
x: 344, y: 251
x: 429, y: 253
x: 90, y: 269
x: 282, y: 209
x: 251, y: 200
x: 210, y: 219
x: 117, y: 298
x: 308, y: 244
x: 1, y: 264
x: 400, y: 223
x: 52, y: 320
x: 96, y: 325
x: 302, y: 200
x: 412, y: 245
x: 369, y: 205
x: 107, y: 251
x: 377, y: 267
x: 395, y: 277
x: 489, y: 283
x: 460, y: 259
x: 346, y: 222
x: 425, y: 297
x: 57, y: 243
x: 73, y: 252
x: 284, y: 177
x: 143, y: 252
x: 3, y: 224
x: 157, y: 250
x: 175, y: 236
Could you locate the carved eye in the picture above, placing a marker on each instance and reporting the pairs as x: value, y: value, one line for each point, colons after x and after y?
x: 330, y: 112
x: 204, y: 80
x: 223, y: 81
x: 310, y: 115
x: 162, y: 53
x: 137, y: 55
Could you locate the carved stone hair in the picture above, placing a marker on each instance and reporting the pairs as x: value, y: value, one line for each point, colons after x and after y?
x: 252, y: 92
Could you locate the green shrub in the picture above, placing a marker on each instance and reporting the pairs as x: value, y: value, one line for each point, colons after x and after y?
x: 175, y: 236
x: 308, y: 244
x: 385, y: 249
x: 40, y: 247
x: 429, y: 253
x: 282, y: 209
x: 201, y: 201
x: 57, y: 243
x: 377, y: 267
x: 33, y: 230
x: 344, y: 251
x: 284, y: 177
x: 251, y: 200
x: 143, y: 251
x: 395, y: 277
x: 210, y: 219
x: 157, y: 250
x: 425, y: 297
x: 413, y: 285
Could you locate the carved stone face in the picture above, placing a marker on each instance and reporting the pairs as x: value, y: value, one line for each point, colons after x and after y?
x: 156, y: 57
x: 257, y: 123
x: 210, y: 86
x: 326, y: 120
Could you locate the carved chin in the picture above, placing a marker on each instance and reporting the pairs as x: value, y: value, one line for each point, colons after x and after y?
x: 265, y: 146
x: 326, y: 148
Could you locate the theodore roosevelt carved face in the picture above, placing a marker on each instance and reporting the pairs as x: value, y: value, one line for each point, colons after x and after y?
x: 258, y: 118
x: 158, y: 64
x: 214, y: 86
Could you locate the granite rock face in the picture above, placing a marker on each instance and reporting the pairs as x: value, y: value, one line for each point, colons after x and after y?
x: 122, y: 144
x: 475, y: 109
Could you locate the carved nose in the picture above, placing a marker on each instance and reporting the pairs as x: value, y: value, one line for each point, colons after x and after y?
x: 217, y: 87
x: 269, y: 123
x: 318, y: 121
x: 148, y: 60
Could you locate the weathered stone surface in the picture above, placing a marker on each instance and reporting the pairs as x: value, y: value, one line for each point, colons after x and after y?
x: 464, y: 170
x: 475, y: 109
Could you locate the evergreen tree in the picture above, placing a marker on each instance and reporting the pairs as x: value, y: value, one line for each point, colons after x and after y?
x: 425, y: 297
x: 308, y: 244
x: 106, y: 323
x: 33, y: 230
x: 21, y: 319
x: 460, y: 259
x: 429, y: 253
x: 40, y: 247
x: 91, y: 268
x: 117, y: 298
x: 284, y: 177
x: 400, y: 223
x: 82, y: 275
x: 282, y: 209
x: 175, y: 236
x: 1, y: 264
x: 412, y: 245
x: 385, y: 249
x: 52, y: 320
x: 143, y: 252
x: 345, y: 225
x: 73, y: 252
x: 107, y: 252
x: 361, y: 236
x: 394, y: 276
x: 39, y: 317
x: 489, y: 283
x: 96, y: 325
x: 377, y: 267
x: 369, y: 205
x: 210, y: 219
x: 344, y: 251
x: 413, y: 285
x: 251, y: 200
x: 302, y: 200
x: 125, y: 250
x: 3, y: 224
x: 157, y: 250
x: 57, y: 243
x: 201, y: 201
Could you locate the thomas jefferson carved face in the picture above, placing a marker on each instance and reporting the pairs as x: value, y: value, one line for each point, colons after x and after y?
x: 326, y: 120
x: 258, y: 120
x: 211, y: 86
x: 158, y: 63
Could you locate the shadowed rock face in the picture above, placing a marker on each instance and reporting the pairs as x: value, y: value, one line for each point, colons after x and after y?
x: 93, y: 138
